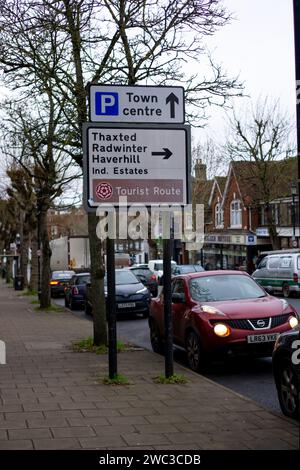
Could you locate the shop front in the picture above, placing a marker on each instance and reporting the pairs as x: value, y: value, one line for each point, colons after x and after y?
x: 230, y: 251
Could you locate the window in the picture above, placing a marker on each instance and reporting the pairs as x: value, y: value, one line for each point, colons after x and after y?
x: 285, y: 262
x: 263, y: 263
x: 236, y: 214
x: 218, y: 215
x: 178, y: 287
x: 224, y: 287
x: 273, y: 263
x: 82, y: 280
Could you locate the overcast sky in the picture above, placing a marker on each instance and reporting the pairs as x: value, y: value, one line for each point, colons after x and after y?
x: 258, y: 45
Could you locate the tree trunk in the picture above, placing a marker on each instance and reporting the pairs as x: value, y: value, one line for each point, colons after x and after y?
x: 8, y: 269
x: 34, y: 281
x: 45, y: 300
x: 97, y: 283
x: 24, y: 257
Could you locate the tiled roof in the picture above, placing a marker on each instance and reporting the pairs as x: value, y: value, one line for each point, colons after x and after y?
x: 269, y: 178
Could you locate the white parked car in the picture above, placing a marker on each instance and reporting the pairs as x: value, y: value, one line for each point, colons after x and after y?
x: 156, y: 265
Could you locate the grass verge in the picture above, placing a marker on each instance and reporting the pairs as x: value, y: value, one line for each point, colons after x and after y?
x: 52, y: 308
x: 87, y: 344
x: 31, y: 293
x: 117, y: 380
x: 173, y: 379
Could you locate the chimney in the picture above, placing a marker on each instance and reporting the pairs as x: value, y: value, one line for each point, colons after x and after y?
x: 200, y: 171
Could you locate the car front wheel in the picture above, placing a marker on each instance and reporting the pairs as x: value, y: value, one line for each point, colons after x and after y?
x: 287, y: 389
x: 194, y: 353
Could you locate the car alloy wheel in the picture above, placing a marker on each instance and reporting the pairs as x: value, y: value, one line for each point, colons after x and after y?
x: 155, y: 338
x: 287, y: 389
x: 193, y: 350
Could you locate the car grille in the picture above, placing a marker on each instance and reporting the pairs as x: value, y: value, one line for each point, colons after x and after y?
x: 243, y: 324
x: 129, y: 298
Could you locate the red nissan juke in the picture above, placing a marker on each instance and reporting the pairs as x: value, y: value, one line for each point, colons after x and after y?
x: 221, y: 313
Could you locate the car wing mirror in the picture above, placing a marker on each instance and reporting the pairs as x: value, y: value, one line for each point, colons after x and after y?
x: 178, y: 298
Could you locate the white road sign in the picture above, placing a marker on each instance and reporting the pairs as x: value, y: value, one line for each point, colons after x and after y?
x: 147, y: 164
x: 136, y: 104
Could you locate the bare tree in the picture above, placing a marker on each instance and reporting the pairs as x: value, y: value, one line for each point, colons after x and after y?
x: 262, y: 138
x: 29, y: 143
x: 105, y: 41
x: 212, y: 155
x: 21, y: 190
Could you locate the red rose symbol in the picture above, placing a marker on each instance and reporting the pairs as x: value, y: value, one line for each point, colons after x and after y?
x: 104, y: 190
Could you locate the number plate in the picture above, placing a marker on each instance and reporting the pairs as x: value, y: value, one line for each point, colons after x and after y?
x: 127, y: 305
x: 267, y: 338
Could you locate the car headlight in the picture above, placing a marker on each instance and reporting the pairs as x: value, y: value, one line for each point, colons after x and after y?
x: 142, y: 291
x: 293, y: 321
x: 221, y: 330
x: 212, y: 310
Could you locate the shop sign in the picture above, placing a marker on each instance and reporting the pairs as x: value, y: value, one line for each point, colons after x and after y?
x: 262, y: 232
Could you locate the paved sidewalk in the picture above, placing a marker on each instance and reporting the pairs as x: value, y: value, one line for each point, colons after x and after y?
x: 50, y: 397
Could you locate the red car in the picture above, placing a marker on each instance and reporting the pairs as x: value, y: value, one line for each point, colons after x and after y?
x: 221, y: 313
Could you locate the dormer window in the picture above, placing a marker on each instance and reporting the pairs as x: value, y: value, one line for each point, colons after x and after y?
x: 218, y: 215
x: 236, y: 214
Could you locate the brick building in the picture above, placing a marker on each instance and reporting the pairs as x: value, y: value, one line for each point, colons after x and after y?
x: 245, y: 214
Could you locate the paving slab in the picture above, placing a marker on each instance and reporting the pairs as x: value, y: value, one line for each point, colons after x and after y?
x: 53, y: 398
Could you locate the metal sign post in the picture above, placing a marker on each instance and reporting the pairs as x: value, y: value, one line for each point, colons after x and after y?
x: 168, y: 319
x: 111, y: 308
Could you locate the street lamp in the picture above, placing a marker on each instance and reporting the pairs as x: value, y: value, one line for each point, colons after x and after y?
x: 294, y: 193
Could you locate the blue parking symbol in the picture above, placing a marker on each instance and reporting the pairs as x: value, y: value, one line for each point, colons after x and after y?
x: 107, y: 104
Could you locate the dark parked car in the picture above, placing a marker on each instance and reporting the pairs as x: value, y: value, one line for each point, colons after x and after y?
x: 131, y: 295
x: 286, y: 369
x: 147, y: 277
x: 75, y: 291
x: 182, y: 269
x: 59, y: 280
x: 221, y: 313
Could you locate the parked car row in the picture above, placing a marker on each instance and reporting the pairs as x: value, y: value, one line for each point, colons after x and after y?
x: 215, y: 314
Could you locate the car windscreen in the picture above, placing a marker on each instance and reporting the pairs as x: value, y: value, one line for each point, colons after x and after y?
x: 83, y: 279
x: 124, y: 277
x: 142, y: 272
x: 224, y: 287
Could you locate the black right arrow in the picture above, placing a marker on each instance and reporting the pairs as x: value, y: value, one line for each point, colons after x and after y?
x: 172, y: 99
x: 166, y: 154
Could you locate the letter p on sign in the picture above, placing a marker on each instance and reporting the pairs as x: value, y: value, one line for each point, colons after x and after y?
x: 106, y: 104
x: 2, y: 352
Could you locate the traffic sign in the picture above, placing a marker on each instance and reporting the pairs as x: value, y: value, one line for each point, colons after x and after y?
x: 148, y: 164
x: 136, y: 104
